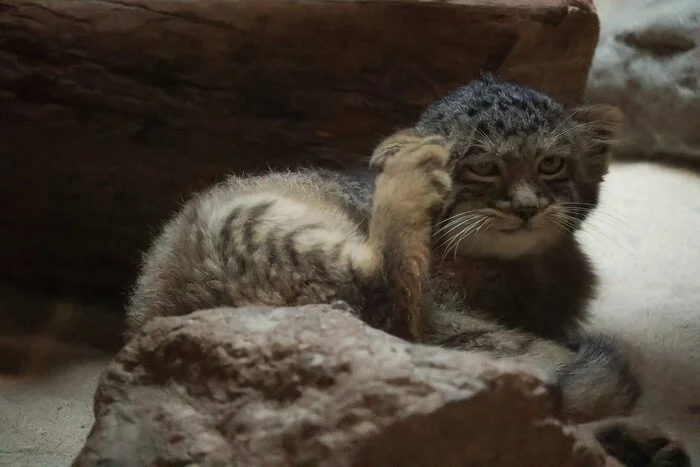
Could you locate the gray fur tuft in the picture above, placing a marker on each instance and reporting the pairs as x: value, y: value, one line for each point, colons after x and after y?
x: 599, y: 381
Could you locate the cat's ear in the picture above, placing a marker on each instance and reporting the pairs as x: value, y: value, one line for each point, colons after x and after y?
x: 604, y: 123
x: 399, y: 141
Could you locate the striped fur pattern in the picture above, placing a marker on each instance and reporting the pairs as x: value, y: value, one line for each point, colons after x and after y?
x: 300, y: 238
x: 517, y: 286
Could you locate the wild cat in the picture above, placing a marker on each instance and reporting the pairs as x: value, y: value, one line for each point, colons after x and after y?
x: 462, y: 236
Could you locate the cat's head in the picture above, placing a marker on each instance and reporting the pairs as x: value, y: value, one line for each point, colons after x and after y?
x: 526, y: 171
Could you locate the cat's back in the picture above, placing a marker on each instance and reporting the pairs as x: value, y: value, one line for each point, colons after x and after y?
x: 278, y: 239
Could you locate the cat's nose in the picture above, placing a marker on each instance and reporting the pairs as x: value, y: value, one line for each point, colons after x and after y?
x: 526, y: 213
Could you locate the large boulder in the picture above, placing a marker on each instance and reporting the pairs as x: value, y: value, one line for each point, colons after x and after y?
x: 112, y: 112
x: 314, y: 386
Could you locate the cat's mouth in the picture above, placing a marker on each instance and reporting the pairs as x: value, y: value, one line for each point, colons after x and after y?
x: 513, y: 225
x: 525, y: 227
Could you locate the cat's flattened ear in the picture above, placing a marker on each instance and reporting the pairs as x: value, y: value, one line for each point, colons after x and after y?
x: 603, y: 122
x: 392, y: 145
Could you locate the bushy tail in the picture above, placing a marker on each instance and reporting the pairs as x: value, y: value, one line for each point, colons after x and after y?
x: 598, y: 382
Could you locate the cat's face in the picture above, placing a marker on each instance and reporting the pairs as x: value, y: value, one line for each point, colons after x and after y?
x: 513, y: 194
x: 526, y: 172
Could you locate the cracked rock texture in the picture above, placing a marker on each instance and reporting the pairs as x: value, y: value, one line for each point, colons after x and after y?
x: 314, y: 386
x: 112, y: 111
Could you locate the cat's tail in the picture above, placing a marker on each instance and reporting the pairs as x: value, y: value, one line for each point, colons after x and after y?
x: 598, y: 382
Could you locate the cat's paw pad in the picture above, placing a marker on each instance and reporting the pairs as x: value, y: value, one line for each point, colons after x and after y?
x: 635, y: 445
x: 400, y: 144
x: 428, y: 153
x: 414, y: 174
x: 420, y: 170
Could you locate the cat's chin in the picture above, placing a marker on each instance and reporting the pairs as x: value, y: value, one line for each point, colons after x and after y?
x: 509, y: 243
x: 523, y: 229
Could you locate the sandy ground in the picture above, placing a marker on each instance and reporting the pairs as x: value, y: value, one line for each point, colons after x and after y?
x: 44, y: 419
x: 645, y: 241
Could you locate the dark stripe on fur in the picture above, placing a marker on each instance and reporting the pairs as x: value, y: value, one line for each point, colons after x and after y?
x: 463, y: 340
x: 335, y: 253
x: 254, y: 215
x: 498, y: 342
x: 275, y: 256
x: 318, y: 260
x: 290, y: 238
x: 227, y: 245
x: 288, y: 243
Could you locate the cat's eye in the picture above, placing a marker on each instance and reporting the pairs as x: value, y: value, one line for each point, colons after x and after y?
x: 484, y: 169
x: 551, y: 165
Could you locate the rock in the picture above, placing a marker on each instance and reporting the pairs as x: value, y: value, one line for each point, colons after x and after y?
x: 315, y: 386
x: 114, y: 111
x: 648, y: 63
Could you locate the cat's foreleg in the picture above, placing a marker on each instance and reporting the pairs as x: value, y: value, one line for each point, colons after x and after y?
x: 409, y: 193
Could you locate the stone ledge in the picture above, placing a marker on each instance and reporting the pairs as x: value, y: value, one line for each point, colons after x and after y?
x: 316, y: 386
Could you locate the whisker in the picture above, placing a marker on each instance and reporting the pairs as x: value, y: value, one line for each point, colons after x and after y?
x: 600, y: 207
x: 563, y: 226
x: 448, y: 241
x: 573, y: 230
x: 446, y: 235
x: 456, y: 222
x: 473, y: 231
x: 610, y: 221
x: 454, y: 240
x: 459, y: 214
x: 591, y: 229
x: 483, y: 227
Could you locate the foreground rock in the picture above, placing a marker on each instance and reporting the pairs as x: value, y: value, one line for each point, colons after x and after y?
x: 315, y: 386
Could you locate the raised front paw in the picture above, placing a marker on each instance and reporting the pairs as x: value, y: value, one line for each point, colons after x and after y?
x: 413, y: 170
x: 402, y: 142
x: 637, y: 445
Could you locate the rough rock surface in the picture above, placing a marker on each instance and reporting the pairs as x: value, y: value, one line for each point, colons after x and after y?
x: 113, y: 111
x: 648, y: 63
x: 315, y: 386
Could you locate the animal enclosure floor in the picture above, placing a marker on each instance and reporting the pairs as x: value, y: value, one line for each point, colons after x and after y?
x: 645, y: 242
x: 45, y: 418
